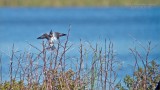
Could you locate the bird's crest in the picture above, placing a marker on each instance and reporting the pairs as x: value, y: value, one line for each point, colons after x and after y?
x: 51, y: 32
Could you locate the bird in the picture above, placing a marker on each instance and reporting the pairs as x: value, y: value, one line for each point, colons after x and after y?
x: 52, y: 37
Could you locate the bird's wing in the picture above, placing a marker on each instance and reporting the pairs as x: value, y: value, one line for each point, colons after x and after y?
x: 44, y: 36
x: 57, y: 34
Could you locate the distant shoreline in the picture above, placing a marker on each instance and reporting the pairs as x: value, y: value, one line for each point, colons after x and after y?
x: 77, y: 3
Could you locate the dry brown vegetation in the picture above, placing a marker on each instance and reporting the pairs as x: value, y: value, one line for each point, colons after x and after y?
x: 50, y: 70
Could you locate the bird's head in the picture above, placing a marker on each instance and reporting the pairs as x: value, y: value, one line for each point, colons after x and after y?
x: 51, y: 34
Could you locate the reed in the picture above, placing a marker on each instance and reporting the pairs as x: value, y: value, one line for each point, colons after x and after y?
x: 94, y: 68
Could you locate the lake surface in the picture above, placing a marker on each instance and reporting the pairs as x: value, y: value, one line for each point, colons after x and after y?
x: 125, y: 26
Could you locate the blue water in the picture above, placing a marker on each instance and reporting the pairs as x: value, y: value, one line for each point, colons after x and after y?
x: 125, y: 26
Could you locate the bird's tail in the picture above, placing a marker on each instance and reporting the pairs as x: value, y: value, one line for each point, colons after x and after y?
x: 51, y: 47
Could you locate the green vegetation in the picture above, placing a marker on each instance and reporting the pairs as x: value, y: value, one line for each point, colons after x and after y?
x: 59, y: 3
x: 145, y: 76
x: 140, y: 80
x: 46, y: 70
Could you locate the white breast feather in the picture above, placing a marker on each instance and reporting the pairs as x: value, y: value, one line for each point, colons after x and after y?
x: 54, y: 38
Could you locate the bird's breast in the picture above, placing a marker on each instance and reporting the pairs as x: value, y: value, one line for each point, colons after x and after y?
x: 53, y: 39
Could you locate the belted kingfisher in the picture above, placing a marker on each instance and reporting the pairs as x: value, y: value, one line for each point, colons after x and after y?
x: 52, y: 37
